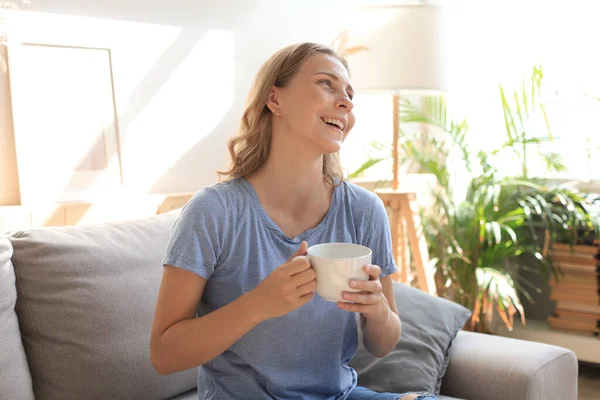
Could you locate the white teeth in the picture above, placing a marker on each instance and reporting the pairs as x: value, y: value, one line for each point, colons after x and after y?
x: 338, y: 122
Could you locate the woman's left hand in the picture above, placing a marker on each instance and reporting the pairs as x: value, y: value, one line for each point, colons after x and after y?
x: 370, y: 302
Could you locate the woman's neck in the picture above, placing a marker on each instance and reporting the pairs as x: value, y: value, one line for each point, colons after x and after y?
x: 291, y: 178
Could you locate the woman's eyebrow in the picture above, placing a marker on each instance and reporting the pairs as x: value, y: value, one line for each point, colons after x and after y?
x: 335, y: 78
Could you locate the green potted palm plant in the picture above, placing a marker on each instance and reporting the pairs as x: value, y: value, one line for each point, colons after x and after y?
x: 482, y: 232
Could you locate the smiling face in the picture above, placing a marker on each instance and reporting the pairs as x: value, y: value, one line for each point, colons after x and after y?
x: 316, y: 105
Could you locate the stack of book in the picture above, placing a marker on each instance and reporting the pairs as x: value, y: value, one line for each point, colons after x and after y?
x: 576, y: 291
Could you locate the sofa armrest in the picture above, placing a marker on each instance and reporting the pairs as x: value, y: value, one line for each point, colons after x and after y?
x: 493, y: 367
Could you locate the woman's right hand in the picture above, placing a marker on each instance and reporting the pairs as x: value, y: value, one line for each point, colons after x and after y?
x: 288, y: 287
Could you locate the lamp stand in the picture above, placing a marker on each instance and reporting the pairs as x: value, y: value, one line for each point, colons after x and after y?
x: 405, y: 219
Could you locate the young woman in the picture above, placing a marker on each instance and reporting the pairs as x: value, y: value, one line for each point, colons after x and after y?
x: 234, y: 299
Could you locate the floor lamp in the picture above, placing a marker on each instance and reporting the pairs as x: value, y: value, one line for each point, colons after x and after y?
x: 399, y: 49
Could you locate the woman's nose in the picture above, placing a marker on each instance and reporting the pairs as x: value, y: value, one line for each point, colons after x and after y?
x: 345, y: 102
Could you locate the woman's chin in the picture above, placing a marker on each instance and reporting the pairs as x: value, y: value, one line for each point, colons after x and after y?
x: 332, y: 147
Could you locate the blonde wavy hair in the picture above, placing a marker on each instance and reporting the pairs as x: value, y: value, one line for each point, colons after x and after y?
x: 250, y: 148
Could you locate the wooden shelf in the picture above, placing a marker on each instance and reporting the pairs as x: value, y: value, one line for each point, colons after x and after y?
x: 585, y: 346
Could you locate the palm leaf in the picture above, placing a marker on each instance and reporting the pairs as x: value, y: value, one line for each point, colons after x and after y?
x: 365, y: 166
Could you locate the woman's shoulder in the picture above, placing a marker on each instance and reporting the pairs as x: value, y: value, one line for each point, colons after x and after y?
x: 217, y: 196
x: 357, y: 195
x: 363, y: 204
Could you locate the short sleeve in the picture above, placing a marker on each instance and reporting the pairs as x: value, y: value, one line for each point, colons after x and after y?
x: 197, y: 239
x: 377, y: 235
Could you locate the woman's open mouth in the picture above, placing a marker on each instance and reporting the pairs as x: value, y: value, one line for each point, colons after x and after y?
x: 334, y: 123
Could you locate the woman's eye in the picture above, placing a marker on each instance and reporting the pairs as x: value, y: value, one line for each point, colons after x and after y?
x: 326, y: 82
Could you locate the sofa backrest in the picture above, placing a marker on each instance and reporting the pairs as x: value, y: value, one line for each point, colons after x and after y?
x: 85, y: 301
x: 15, y: 380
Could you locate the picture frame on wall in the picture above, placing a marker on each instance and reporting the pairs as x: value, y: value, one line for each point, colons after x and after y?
x: 65, y: 123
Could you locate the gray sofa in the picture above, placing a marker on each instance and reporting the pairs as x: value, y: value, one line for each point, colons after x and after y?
x: 76, y: 305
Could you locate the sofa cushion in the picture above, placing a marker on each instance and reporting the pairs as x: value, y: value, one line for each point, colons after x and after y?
x: 85, y: 302
x: 191, y: 395
x: 419, y: 360
x: 15, y: 379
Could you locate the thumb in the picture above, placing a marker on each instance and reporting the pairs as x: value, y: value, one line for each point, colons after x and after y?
x: 301, y: 251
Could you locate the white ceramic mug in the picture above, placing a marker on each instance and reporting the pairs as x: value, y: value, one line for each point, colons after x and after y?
x: 335, y: 265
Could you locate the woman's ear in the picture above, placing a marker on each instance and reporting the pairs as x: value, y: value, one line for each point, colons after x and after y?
x: 273, y: 101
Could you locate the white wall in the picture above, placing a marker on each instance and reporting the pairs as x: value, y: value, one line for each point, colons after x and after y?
x: 181, y: 71
x: 493, y: 42
x: 499, y: 42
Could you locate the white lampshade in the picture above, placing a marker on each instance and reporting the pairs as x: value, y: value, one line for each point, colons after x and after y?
x: 406, y: 49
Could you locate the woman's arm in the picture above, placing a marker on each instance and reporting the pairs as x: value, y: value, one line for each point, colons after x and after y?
x: 378, y: 313
x: 179, y: 340
x: 381, y: 338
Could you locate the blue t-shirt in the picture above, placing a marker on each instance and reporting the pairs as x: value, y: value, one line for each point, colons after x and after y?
x: 224, y: 235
